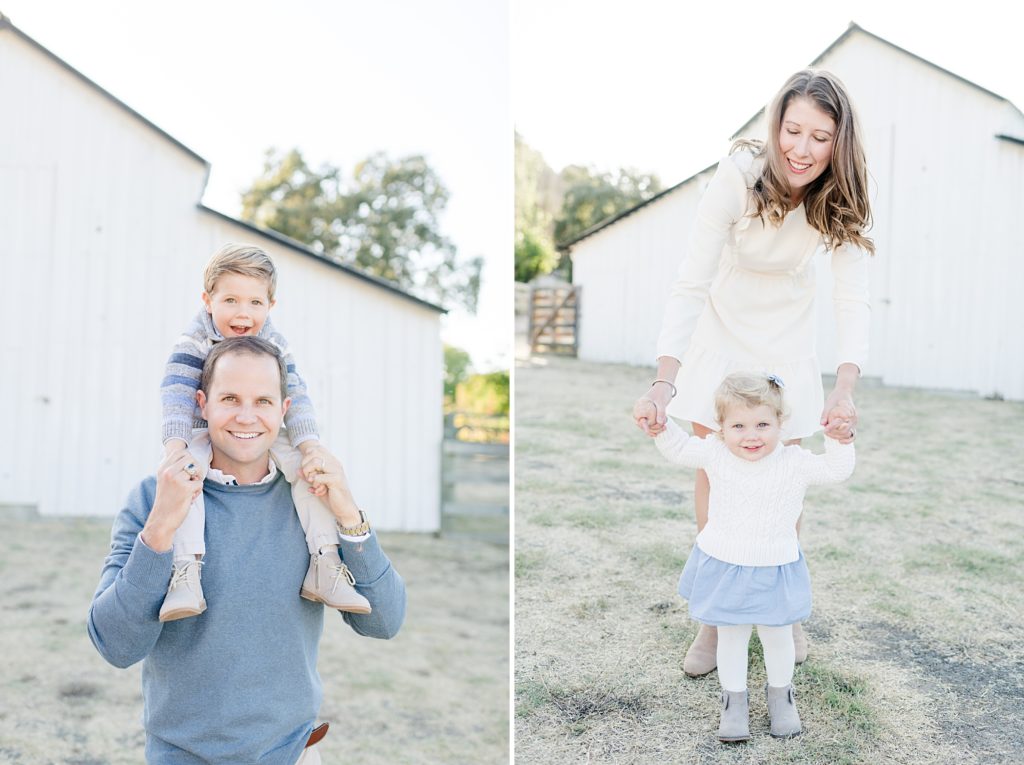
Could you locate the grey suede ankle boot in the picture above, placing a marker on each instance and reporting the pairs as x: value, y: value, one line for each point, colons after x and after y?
x: 782, y: 712
x: 735, y: 724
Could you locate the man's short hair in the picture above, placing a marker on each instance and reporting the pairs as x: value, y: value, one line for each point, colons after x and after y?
x: 244, y: 259
x: 246, y: 344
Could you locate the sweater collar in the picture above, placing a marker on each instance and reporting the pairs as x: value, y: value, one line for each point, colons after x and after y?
x: 229, y: 480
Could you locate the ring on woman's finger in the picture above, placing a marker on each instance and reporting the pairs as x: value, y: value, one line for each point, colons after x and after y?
x: 190, y: 468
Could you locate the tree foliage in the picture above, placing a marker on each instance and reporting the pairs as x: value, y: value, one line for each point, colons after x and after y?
x: 485, y: 394
x: 591, y: 197
x: 557, y: 207
x: 456, y: 369
x: 383, y: 220
x: 537, y: 200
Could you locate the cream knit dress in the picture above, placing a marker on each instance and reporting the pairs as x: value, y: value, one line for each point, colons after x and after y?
x: 744, y: 301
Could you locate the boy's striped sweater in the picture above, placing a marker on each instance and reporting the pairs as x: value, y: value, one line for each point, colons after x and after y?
x: 185, y: 367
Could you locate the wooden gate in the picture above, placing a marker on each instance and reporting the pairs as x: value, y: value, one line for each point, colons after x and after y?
x: 554, y: 319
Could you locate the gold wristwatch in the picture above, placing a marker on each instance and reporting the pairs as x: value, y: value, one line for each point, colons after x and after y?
x: 355, y: 531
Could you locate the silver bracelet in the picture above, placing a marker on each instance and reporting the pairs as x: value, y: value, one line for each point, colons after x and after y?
x: 668, y: 383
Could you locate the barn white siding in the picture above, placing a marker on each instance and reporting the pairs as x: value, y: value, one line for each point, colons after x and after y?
x: 947, y: 197
x: 626, y: 271
x: 102, y: 246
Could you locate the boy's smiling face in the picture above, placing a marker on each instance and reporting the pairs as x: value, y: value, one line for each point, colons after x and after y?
x: 239, y: 304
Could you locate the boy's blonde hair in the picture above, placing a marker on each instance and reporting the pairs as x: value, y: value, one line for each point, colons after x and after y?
x: 750, y: 390
x: 244, y: 259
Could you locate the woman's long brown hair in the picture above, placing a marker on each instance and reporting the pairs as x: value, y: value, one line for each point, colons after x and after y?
x: 836, y: 203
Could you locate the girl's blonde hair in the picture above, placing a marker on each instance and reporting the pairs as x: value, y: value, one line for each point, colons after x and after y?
x: 750, y: 390
x: 244, y: 259
x: 836, y: 202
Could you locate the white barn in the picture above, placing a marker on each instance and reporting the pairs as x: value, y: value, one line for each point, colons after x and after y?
x: 102, y: 243
x: 947, y: 160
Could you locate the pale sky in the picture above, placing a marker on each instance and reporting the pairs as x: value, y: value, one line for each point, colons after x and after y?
x: 661, y: 85
x: 337, y: 79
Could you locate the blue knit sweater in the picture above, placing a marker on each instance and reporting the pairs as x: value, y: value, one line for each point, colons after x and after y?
x: 237, y: 684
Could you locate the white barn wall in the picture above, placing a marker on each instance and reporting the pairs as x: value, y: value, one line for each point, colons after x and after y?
x: 102, y: 247
x: 947, y: 198
x: 626, y: 271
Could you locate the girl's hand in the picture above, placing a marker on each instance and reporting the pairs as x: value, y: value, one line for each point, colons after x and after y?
x: 840, y: 416
x: 649, y: 410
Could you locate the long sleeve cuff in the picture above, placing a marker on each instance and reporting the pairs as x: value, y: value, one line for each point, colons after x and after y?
x: 147, y: 569
x: 364, y: 559
x: 180, y: 430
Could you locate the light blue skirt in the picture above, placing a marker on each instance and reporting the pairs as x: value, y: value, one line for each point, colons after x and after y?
x: 721, y: 593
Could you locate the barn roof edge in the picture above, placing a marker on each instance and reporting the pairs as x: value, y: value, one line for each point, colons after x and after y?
x: 853, y: 27
x: 565, y: 246
x: 6, y: 23
x: 302, y: 249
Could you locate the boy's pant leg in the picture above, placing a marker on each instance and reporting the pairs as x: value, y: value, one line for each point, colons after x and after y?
x: 310, y: 756
x: 190, y: 538
x: 316, y: 518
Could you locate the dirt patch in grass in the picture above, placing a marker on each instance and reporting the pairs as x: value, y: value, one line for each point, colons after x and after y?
x: 917, y: 635
x: 436, y: 693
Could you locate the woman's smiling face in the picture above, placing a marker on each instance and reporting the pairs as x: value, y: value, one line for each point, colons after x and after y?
x: 806, y: 137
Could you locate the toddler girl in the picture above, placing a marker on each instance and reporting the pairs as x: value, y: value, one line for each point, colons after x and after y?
x: 746, y: 567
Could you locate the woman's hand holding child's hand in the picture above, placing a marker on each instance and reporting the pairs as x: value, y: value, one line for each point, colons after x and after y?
x: 649, y: 410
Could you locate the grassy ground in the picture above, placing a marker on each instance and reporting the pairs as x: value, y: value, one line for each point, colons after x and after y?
x: 917, y: 634
x: 437, y: 693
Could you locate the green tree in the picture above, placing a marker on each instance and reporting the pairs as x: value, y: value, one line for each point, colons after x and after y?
x: 485, y: 393
x: 456, y: 369
x: 534, y: 256
x: 383, y: 220
x: 591, y: 197
x: 537, y: 200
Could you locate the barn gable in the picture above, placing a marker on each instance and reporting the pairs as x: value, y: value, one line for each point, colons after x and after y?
x: 102, y: 243
x: 946, y: 159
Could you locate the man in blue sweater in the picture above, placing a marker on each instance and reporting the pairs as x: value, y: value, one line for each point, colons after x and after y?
x: 237, y: 684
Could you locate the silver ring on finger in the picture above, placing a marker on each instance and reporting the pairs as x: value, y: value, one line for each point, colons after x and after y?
x: 190, y: 468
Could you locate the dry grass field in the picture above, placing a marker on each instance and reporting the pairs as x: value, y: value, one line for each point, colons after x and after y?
x: 437, y: 693
x: 917, y: 633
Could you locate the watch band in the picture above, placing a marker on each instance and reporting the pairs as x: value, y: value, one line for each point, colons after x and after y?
x: 355, y: 531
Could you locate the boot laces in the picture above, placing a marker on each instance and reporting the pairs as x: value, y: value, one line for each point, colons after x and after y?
x: 181, y: 573
x: 339, y: 571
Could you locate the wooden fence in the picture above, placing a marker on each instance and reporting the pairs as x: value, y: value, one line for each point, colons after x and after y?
x: 554, y: 319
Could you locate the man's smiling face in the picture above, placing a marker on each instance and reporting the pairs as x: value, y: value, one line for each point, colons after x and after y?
x: 244, y: 410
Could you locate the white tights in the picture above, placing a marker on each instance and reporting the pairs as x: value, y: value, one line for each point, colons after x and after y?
x: 779, y: 655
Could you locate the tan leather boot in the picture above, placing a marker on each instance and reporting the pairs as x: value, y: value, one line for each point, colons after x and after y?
x: 782, y: 712
x: 185, y: 592
x: 329, y: 581
x: 702, y: 656
x: 735, y: 722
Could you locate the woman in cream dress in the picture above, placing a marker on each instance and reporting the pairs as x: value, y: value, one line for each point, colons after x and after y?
x: 744, y: 296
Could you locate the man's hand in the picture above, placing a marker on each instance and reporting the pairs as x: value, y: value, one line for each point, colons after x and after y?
x: 178, y: 483
x: 329, y: 481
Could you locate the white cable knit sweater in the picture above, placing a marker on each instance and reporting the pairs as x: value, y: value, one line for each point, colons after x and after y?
x: 754, y: 506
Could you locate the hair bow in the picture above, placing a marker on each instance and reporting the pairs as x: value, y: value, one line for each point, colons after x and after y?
x: 776, y: 381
